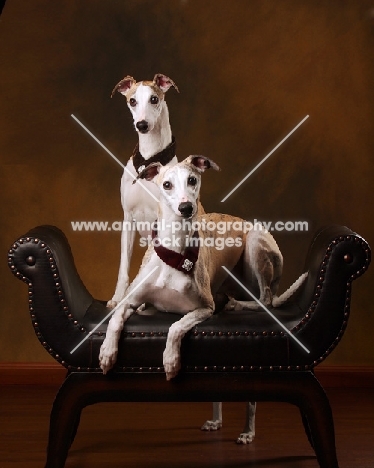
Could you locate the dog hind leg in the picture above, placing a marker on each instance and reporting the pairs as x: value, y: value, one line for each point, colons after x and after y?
x: 263, y: 265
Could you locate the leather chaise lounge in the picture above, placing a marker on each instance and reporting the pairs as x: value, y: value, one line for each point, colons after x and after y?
x: 236, y: 356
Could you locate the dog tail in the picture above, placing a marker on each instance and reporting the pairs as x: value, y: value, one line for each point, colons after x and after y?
x: 279, y: 300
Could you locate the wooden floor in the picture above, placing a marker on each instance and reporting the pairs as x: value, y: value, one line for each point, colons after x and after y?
x: 167, y: 435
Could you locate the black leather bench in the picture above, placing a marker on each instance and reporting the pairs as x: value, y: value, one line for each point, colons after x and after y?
x: 233, y: 356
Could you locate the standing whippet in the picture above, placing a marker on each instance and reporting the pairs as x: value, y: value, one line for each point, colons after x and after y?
x: 146, y: 101
x: 189, y: 266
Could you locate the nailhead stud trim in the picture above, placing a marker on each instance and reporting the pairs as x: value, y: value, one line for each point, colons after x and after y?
x: 44, y: 251
x: 196, y: 333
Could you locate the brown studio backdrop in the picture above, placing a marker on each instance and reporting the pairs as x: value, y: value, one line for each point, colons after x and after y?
x: 248, y: 72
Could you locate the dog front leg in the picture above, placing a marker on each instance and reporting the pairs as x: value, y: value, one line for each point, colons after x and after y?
x: 109, y: 348
x: 248, y: 434
x: 171, y: 357
x: 215, y: 423
x: 127, y: 244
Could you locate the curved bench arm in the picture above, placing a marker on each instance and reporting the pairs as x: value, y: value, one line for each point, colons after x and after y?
x: 336, y: 257
x: 58, y: 299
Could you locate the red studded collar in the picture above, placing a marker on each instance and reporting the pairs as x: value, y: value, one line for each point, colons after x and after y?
x: 164, y: 157
x: 184, y: 263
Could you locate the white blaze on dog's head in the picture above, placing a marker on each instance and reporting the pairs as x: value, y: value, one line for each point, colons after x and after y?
x: 180, y: 184
x: 145, y: 99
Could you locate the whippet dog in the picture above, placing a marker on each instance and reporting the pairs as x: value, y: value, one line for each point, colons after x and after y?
x: 146, y: 101
x: 187, y: 267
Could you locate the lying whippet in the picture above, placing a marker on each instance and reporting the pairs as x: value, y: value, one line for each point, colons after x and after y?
x: 146, y: 101
x: 186, y: 276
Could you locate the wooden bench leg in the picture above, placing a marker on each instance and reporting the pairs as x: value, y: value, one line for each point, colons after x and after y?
x: 307, y: 429
x: 64, y: 422
x: 318, y: 422
x: 299, y: 388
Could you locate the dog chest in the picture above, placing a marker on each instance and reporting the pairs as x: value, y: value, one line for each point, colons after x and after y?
x: 172, y: 292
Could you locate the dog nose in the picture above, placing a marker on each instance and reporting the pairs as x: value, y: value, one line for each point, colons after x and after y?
x: 142, y: 126
x: 186, y: 209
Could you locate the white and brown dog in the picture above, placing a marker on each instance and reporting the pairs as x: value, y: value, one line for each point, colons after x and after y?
x: 146, y: 101
x: 189, y: 267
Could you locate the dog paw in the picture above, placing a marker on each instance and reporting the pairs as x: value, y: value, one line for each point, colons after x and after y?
x: 111, y: 304
x: 233, y: 304
x: 107, y: 356
x: 245, y: 438
x: 172, y: 365
x: 171, y: 371
x: 212, y: 425
x: 146, y: 309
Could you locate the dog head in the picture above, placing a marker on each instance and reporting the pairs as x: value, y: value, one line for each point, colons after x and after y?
x: 180, y: 184
x: 145, y: 99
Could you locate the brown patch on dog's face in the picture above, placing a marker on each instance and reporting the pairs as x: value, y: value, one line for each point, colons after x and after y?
x: 156, y: 90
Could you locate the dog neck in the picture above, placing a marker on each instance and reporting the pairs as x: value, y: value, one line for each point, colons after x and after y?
x: 178, y: 248
x: 174, y: 230
x: 163, y: 157
x: 158, y: 138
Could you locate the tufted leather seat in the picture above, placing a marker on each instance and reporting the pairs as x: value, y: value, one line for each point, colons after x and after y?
x: 243, y: 348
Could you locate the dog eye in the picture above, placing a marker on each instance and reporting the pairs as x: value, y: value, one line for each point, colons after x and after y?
x: 167, y: 185
x: 192, y: 181
x: 132, y: 102
x: 154, y: 99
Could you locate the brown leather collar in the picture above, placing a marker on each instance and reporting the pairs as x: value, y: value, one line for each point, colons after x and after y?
x: 184, y: 263
x: 164, y: 157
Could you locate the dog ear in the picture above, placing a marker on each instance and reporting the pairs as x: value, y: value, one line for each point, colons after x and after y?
x: 164, y: 82
x: 124, y: 85
x: 202, y: 163
x: 150, y: 172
